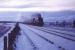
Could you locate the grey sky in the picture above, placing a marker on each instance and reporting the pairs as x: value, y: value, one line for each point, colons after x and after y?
x: 38, y: 4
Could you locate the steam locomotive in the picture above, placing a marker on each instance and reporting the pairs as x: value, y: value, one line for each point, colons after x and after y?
x: 37, y: 20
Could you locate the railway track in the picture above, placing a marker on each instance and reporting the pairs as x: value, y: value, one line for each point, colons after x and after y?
x: 58, y: 31
x: 42, y: 38
x: 64, y: 29
x: 31, y: 42
x: 48, y: 40
x: 60, y: 34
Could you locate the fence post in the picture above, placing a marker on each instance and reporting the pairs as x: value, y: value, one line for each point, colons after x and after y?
x: 5, y: 42
x: 10, y: 42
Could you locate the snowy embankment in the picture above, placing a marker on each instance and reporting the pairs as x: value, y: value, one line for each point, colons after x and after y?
x: 2, y: 37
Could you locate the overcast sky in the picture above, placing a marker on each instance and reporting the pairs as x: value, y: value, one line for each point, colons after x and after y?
x: 38, y: 4
x: 33, y: 5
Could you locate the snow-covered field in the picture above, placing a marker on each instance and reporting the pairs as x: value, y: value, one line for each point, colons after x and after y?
x: 5, y: 33
x: 43, y: 38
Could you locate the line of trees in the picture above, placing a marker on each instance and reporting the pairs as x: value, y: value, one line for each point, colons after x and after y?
x: 63, y: 23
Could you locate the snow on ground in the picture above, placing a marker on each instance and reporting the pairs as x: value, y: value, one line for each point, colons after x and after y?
x: 41, y: 43
x: 22, y: 42
x: 1, y: 44
x: 67, y: 34
x: 65, y: 30
x: 5, y: 34
x: 70, y: 29
x: 32, y: 38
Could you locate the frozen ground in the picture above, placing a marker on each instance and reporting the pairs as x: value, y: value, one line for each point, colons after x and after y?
x: 3, y: 33
x: 43, y: 38
x: 71, y: 29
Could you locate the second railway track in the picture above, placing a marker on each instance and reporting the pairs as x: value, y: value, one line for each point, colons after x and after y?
x: 56, y: 33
